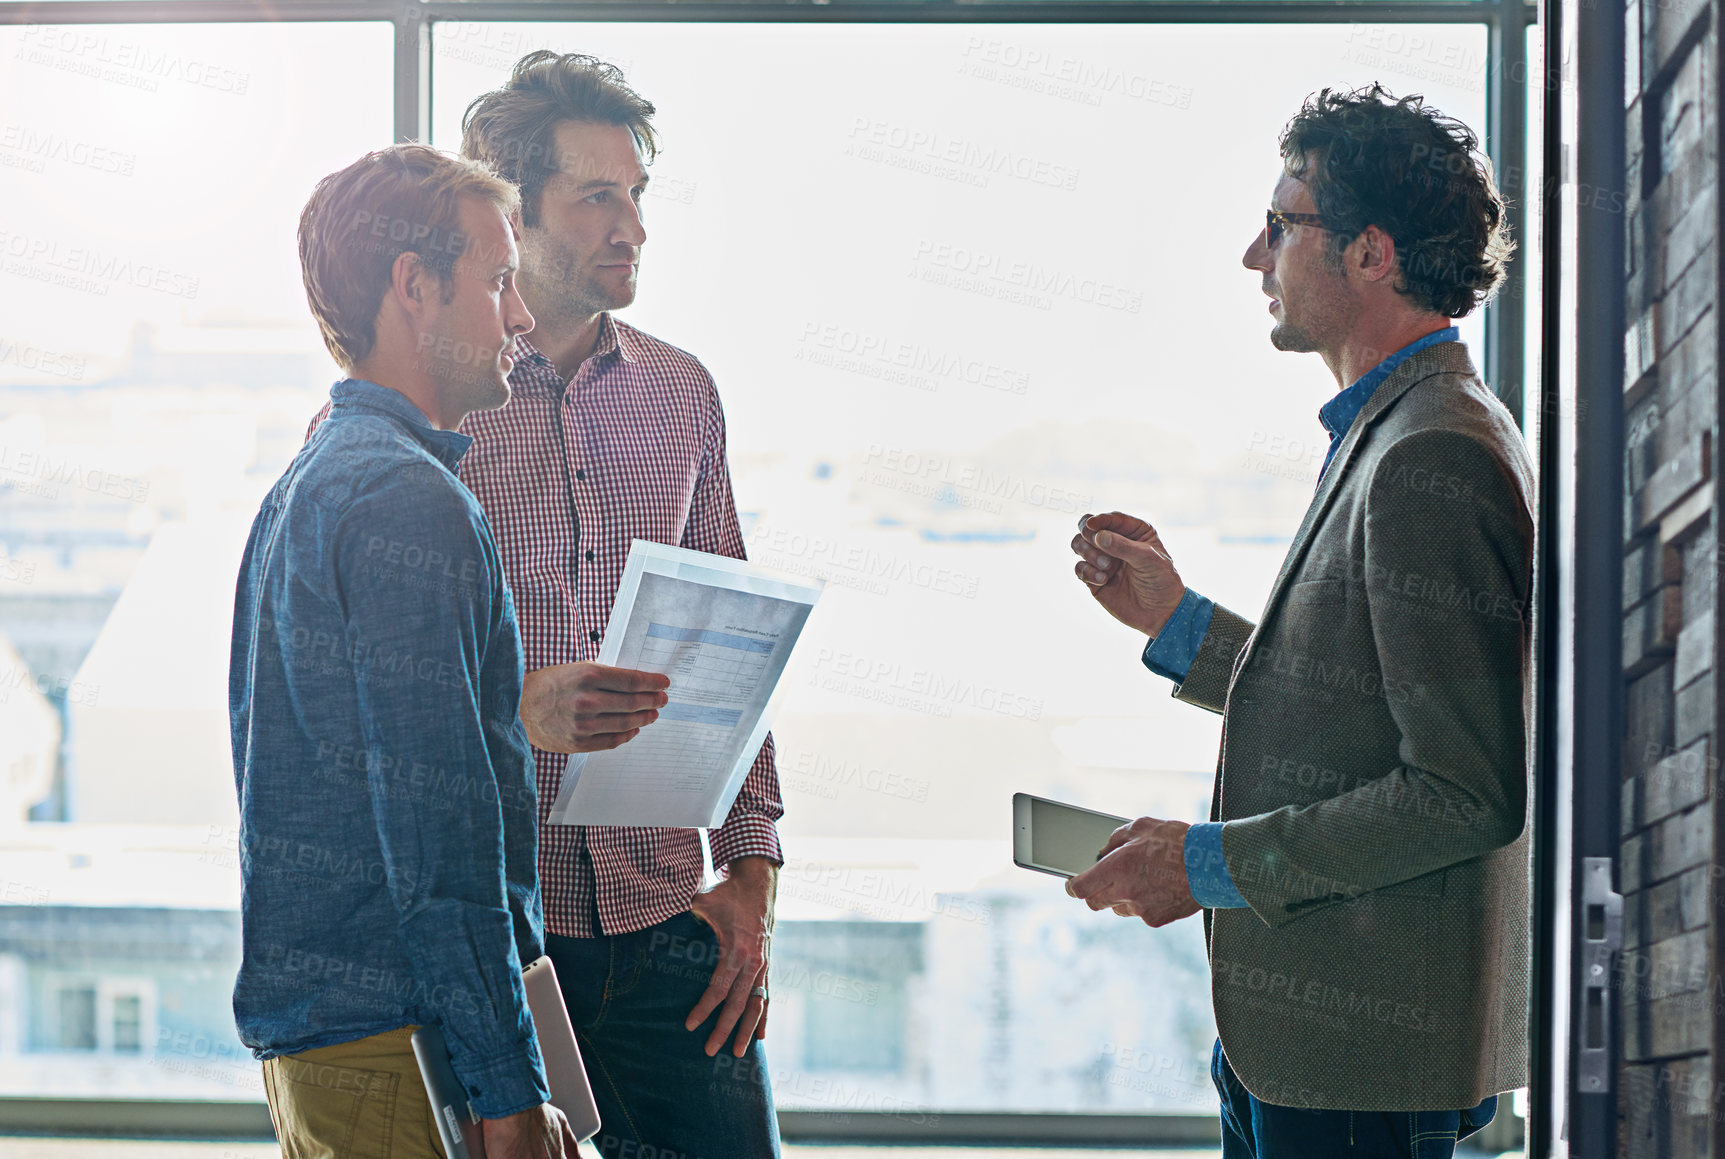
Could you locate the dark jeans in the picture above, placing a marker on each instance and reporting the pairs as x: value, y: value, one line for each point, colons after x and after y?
x: 1252, y: 1129
x: 659, y: 1095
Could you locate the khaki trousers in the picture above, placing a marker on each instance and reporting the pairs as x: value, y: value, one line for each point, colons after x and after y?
x: 355, y: 1100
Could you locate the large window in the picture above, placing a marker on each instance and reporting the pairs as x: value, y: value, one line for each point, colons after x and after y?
x: 157, y: 368
x: 958, y: 286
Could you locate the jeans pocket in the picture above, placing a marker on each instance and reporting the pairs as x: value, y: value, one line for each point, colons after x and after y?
x: 681, y: 953
x: 1433, y: 1133
x: 1477, y: 1118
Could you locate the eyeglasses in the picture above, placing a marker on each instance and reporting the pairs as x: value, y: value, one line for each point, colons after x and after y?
x: 1277, y: 223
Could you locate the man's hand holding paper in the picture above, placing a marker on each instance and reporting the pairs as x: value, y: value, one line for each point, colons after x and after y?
x: 722, y: 630
x: 587, y: 708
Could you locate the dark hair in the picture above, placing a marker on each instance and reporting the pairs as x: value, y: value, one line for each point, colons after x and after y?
x: 512, y: 128
x: 403, y: 199
x: 1371, y: 159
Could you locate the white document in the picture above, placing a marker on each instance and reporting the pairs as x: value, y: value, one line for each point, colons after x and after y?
x: 723, y: 631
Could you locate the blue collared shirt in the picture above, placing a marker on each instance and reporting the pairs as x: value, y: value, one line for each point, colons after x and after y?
x: 388, y: 817
x: 1339, y: 413
x: 1171, y: 652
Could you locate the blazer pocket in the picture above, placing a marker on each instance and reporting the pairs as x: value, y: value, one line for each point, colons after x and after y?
x: 1425, y: 885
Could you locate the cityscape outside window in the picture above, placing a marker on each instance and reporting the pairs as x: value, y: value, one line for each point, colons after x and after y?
x: 947, y: 316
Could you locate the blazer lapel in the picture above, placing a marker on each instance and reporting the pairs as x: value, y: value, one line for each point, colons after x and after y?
x: 1444, y: 358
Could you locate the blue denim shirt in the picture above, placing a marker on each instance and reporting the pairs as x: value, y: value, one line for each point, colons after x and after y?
x: 1171, y: 653
x: 388, y: 820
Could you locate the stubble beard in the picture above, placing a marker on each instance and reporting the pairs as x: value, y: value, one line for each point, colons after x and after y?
x: 567, y: 293
x: 472, y: 382
x: 1286, y: 336
x: 1328, y: 312
x: 475, y: 387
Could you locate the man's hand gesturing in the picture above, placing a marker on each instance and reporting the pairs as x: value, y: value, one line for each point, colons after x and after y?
x: 587, y: 708
x: 1125, y: 566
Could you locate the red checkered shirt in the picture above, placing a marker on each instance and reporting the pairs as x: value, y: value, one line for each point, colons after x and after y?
x: 632, y: 447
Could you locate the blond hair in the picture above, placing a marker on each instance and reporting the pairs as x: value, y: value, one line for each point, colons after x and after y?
x: 403, y: 199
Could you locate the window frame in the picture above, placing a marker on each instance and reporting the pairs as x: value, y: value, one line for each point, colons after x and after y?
x: 1506, y: 134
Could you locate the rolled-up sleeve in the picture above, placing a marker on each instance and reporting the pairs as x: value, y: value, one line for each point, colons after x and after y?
x: 1171, y: 652
x: 1207, y: 873
x: 750, y: 830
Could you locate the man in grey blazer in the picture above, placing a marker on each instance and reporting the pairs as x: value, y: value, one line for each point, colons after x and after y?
x: 1364, y: 873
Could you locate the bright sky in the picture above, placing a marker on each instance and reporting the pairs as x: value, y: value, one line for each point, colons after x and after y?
x: 1044, y: 223
x: 1124, y: 169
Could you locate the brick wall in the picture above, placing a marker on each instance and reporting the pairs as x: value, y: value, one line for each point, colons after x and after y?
x: 1671, y: 996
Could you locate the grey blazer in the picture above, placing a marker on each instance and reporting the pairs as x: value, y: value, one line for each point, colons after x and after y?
x: 1375, y: 767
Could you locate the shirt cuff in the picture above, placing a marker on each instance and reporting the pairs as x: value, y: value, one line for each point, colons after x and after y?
x: 507, y: 1085
x: 1171, y: 653
x: 1207, y: 873
x: 745, y: 835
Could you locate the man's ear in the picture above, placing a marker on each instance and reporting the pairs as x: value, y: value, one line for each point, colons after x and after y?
x: 411, y: 284
x: 1376, y: 259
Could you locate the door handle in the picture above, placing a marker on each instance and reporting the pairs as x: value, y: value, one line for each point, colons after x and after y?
x: 1601, y: 939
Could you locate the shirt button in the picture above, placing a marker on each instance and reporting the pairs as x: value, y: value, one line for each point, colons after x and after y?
x: 593, y: 636
x: 580, y: 473
x: 590, y: 557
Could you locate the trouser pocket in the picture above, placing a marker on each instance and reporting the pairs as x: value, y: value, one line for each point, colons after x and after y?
x: 325, y: 1107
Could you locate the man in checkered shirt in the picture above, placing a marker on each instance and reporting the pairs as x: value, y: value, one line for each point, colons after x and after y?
x: 611, y: 435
